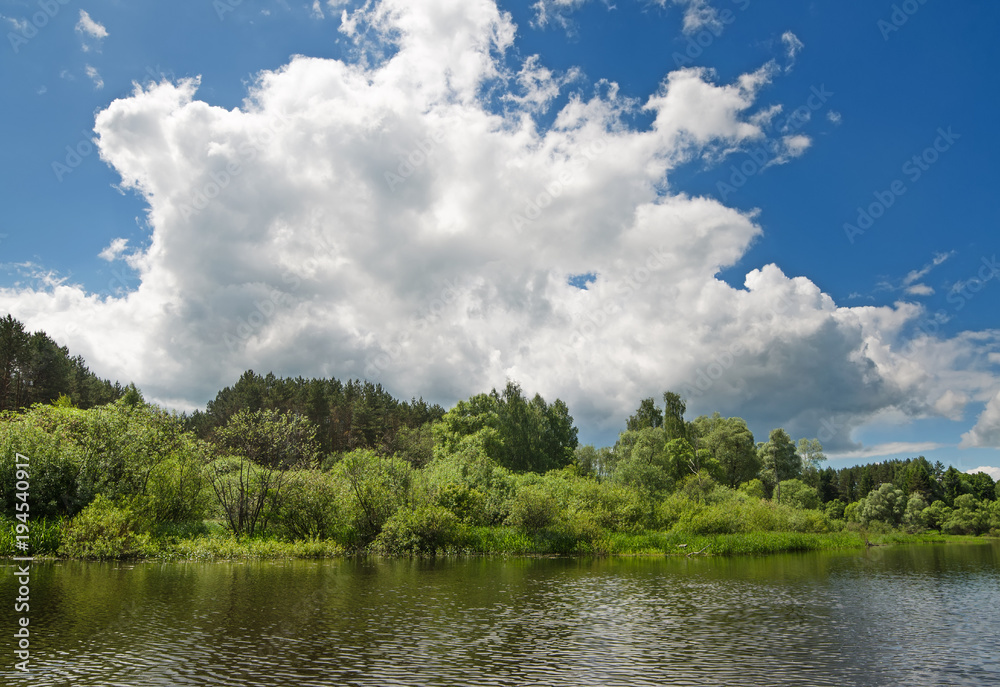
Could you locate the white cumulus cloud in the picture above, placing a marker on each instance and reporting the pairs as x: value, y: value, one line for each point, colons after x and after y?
x: 986, y: 432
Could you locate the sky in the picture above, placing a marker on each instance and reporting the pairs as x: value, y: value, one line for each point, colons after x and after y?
x: 782, y: 211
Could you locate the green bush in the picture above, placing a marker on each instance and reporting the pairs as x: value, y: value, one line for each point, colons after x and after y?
x: 375, y: 487
x: 797, y: 494
x: 309, y: 506
x: 754, y: 488
x: 103, y: 530
x: 464, y: 501
x: 424, y: 530
x: 835, y: 509
x: 533, y: 508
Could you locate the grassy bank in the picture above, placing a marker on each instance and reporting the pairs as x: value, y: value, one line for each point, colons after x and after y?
x: 507, y: 541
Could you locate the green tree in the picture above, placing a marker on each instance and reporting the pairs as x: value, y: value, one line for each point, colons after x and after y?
x: 256, y: 450
x: 648, y: 415
x: 885, y: 504
x: 913, y: 515
x: 729, y: 442
x: 981, y: 485
x: 798, y: 494
x: 520, y: 435
x: 778, y: 458
x: 674, y: 425
x: 14, y: 343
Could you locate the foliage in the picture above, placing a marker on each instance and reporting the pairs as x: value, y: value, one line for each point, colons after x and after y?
x: 136, y: 452
x: 967, y: 517
x: 426, y: 529
x: 520, y: 435
x: 310, y: 506
x: 377, y: 487
x: 256, y: 449
x: 886, y: 505
x: 798, y: 494
x: 347, y: 415
x: 913, y: 516
x: 835, y: 509
x: 103, y: 530
x: 729, y: 442
x: 35, y: 369
x: 754, y: 488
x: 778, y: 457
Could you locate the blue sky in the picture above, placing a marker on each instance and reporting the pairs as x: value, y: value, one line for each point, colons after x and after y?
x: 880, y: 336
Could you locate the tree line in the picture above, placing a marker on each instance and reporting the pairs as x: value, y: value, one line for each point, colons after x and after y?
x: 35, y: 369
x: 303, y: 459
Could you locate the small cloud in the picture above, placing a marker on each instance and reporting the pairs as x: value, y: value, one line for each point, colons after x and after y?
x: 19, y: 24
x: 88, y: 28
x: 920, y: 290
x: 699, y: 15
x: 834, y: 117
x: 916, y: 275
x: 793, y: 46
x: 42, y: 90
x: 317, y: 10
x: 114, y: 250
x: 993, y: 472
x: 791, y: 147
x: 95, y: 76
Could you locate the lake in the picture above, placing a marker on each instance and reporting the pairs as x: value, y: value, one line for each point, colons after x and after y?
x: 914, y: 615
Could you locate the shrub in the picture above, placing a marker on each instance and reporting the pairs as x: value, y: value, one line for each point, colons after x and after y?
x: 798, y: 494
x: 309, y: 506
x: 835, y: 509
x: 533, y: 508
x: 754, y: 488
x: 103, y: 530
x: 913, y: 516
x: 464, y: 501
x: 426, y: 529
x: 376, y: 487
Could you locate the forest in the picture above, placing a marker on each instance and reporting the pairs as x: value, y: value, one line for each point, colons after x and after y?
x: 315, y: 467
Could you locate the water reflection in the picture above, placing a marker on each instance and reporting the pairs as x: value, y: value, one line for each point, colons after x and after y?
x: 922, y: 615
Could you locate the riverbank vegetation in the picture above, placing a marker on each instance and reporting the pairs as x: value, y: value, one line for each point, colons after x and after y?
x: 313, y: 468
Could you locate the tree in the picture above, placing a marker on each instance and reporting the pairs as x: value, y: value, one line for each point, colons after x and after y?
x: 982, y: 485
x: 811, y: 456
x: 953, y: 485
x: 729, y: 442
x: 673, y: 416
x: 13, y: 363
x: 256, y: 451
x: 798, y: 494
x: 519, y: 435
x: 648, y: 415
x: 918, y: 479
x: 644, y: 463
x: 886, y: 504
x: 778, y: 458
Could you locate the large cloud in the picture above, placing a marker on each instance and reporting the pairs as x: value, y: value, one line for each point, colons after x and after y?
x: 379, y: 219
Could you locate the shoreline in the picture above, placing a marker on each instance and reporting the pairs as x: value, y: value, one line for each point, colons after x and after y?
x: 649, y: 544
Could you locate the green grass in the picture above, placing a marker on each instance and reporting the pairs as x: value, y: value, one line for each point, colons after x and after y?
x: 212, y: 542
x: 227, y: 546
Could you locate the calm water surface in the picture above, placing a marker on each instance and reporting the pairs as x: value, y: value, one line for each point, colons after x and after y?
x: 920, y: 615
